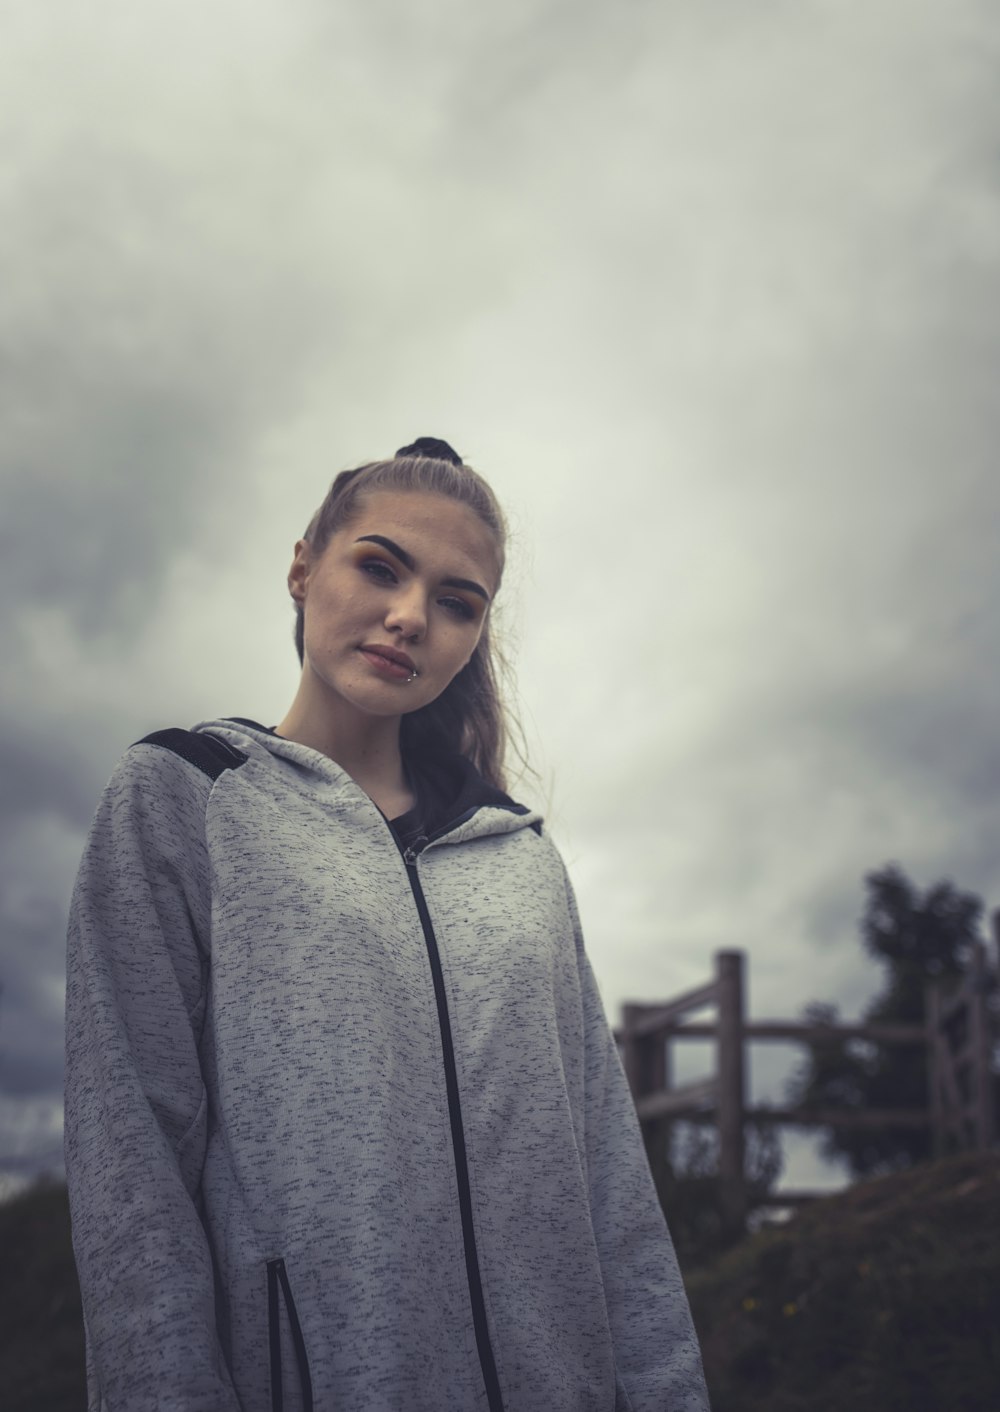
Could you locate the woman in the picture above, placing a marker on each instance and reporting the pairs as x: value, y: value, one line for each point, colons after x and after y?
x: 345, y: 1123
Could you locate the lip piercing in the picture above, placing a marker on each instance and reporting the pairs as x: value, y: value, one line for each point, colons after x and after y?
x: 413, y: 675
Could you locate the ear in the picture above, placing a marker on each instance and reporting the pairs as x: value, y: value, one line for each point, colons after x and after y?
x: 298, y: 574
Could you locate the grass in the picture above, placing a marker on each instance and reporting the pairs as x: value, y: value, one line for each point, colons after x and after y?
x: 883, y: 1298
x: 41, y: 1322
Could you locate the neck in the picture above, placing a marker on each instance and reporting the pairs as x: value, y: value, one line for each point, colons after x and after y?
x: 367, y: 747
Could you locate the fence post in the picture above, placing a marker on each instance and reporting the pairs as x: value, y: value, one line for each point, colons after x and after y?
x: 979, y: 1047
x: 645, y: 1058
x: 647, y: 1070
x: 732, y: 1096
x: 935, y: 1077
x: 631, y: 1054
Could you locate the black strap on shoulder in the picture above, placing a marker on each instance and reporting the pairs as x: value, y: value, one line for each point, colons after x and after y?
x: 210, y: 754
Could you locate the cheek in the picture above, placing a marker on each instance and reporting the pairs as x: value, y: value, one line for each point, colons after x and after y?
x: 467, y: 646
x: 455, y: 646
x: 335, y: 608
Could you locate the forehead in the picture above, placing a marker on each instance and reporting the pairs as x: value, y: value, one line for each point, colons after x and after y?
x: 441, y: 534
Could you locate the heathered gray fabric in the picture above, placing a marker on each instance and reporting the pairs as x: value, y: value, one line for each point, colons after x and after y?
x: 255, y: 1069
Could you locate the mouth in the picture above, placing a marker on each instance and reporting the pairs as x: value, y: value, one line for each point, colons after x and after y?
x: 389, y: 660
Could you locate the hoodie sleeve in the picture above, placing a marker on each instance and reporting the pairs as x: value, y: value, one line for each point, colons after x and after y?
x: 136, y: 1110
x: 657, y: 1355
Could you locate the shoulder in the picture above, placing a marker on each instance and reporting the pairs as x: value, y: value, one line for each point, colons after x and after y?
x: 164, y: 779
x: 207, y: 753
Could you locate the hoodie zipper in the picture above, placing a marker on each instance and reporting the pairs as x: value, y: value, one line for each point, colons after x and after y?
x: 486, y: 1359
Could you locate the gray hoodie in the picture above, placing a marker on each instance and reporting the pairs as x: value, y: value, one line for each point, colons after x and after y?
x: 346, y: 1127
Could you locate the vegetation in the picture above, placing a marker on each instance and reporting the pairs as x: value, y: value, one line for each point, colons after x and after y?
x: 41, y: 1343
x: 882, y: 1298
x: 916, y: 939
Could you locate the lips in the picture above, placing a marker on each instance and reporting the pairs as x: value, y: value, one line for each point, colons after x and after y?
x: 388, y: 660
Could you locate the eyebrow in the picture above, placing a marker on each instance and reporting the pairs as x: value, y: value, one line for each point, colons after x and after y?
x: 410, y: 563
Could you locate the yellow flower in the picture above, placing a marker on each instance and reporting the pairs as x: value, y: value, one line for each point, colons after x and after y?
x: 789, y: 1309
x: 749, y: 1305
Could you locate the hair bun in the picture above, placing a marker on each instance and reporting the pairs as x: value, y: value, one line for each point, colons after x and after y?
x: 433, y: 448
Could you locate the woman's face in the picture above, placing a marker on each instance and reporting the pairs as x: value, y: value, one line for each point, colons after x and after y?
x: 404, y: 587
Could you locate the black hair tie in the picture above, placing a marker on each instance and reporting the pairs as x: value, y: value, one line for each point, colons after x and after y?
x: 433, y: 448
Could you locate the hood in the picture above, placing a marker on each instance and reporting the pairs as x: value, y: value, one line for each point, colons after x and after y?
x: 469, y: 806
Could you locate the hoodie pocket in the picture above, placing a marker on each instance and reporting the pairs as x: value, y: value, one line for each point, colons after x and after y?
x: 623, y: 1403
x: 278, y: 1290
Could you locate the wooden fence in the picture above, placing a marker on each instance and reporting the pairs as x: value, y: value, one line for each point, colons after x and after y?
x: 960, y: 1109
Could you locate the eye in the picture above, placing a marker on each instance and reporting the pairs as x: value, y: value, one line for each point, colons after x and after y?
x: 459, y: 607
x: 378, y: 569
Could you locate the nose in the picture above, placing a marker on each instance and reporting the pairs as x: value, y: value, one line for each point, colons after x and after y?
x: 407, y: 613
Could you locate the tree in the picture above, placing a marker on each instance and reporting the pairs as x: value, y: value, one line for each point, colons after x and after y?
x: 916, y: 939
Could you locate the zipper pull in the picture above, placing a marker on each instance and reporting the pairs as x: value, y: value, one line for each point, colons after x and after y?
x: 414, y: 850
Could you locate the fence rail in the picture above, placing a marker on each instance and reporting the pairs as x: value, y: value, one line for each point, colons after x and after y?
x: 960, y: 1107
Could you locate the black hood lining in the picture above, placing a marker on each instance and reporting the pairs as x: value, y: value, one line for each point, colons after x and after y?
x: 451, y: 777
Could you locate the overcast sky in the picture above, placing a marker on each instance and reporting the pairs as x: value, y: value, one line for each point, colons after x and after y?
x: 709, y: 292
